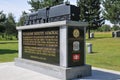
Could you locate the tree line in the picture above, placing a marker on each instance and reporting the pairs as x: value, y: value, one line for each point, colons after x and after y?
x: 7, y: 26
x: 95, y: 12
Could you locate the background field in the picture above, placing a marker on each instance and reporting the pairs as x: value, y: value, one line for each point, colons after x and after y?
x: 8, y: 51
x: 106, y: 51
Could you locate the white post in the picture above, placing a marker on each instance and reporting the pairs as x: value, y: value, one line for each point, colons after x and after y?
x: 20, y: 43
x: 63, y: 46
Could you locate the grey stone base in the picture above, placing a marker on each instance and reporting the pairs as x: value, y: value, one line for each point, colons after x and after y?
x: 55, y: 71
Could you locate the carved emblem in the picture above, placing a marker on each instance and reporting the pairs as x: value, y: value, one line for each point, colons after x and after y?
x: 76, y: 33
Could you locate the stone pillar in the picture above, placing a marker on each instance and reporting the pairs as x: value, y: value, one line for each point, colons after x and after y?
x: 63, y: 46
x: 20, y: 44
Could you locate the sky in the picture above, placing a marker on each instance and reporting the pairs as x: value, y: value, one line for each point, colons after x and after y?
x: 17, y: 6
x: 14, y: 6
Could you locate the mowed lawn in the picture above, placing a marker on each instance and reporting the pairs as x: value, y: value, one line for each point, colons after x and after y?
x: 8, y: 51
x: 106, y: 51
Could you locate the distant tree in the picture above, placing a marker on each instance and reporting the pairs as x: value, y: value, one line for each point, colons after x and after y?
x: 112, y: 10
x: 22, y: 19
x: 2, y: 16
x: 2, y: 21
x: 10, y: 25
x: 115, y: 27
x: 106, y: 28
x: 91, y: 13
x: 38, y: 4
x: 2, y: 27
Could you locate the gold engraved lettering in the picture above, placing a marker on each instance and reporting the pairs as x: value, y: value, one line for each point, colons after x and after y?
x: 44, y: 43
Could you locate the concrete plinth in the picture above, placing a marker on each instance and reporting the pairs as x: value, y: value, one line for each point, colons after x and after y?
x: 55, y: 71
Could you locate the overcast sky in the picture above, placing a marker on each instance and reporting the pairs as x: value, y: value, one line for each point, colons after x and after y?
x: 17, y: 6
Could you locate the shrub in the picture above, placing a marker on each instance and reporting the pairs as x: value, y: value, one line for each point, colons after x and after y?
x: 104, y: 28
x: 115, y: 27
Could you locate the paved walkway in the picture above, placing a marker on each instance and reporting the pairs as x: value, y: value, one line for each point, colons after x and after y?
x: 8, y: 71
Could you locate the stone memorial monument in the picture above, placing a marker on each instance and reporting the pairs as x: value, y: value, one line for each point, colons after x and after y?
x: 54, y: 48
x: 54, y: 43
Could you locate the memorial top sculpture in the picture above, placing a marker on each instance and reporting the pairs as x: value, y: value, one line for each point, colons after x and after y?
x: 52, y: 14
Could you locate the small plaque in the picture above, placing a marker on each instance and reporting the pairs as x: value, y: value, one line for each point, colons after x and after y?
x: 76, y: 46
x: 76, y: 57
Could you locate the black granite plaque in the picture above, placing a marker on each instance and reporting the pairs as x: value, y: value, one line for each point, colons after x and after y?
x: 41, y: 45
x: 75, y: 46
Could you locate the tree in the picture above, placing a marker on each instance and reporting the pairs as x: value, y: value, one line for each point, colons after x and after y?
x: 115, y: 27
x: 90, y: 11
x: 38, y: 4
x: 2, y: 16
x: 104, y: 28
x: 22, y: 19
x: 10, y: 25
x: 112, y: 10
x: 2, y: 27
x: 2, y: 21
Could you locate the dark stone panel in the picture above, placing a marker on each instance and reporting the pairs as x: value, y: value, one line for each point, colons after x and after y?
x: 41, y: 45
x: 75, y: 46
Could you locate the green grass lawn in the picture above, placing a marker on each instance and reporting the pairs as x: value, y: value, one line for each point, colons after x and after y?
x: 106, y: 51
x: 8, y: 51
